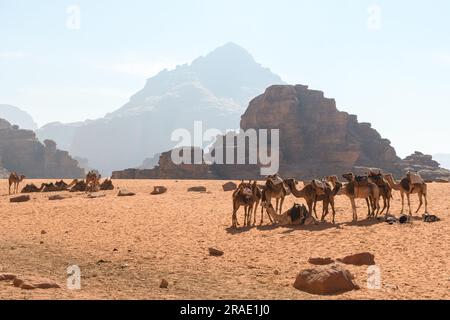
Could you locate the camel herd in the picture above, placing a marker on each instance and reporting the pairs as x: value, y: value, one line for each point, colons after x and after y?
x: 90, y: 184
x: 372, y: 187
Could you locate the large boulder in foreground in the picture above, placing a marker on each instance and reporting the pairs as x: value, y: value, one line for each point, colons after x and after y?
x: 30, y: 283
x: 325, y: 280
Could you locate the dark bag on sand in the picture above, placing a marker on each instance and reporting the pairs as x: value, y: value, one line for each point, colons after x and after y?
x: 297, y: 213
x: 430, y: 218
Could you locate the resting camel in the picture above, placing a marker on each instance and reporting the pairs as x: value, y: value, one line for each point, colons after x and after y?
x: 311, y: 197
x: 385, y: 190
x: 93, y: 181
x: 108, y: 185
x: 245, y: 196
x: 405, y: 187
x: 14, y: 180
x: 355, y: 189
x: 277, y: 191
x: 298, y: 214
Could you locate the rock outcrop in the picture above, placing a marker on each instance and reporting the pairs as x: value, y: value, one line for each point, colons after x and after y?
x: 21, y: 151
x: 316, y: 139
x: 429, y: 169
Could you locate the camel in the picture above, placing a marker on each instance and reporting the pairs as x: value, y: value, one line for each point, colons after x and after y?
x: 405, y: 187
x: 244, y: 195
x: 276, y: 191
x: 77, y: 186
x: 385, y: 189
x: 298, y: 214
x: 30, y: 188
x: 93, y: 181
x: 14, y: 180
x: 107, y: 185
x: 311, y: 197
x: 357, y: 189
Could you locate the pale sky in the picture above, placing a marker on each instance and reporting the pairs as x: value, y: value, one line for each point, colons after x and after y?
x: 386, y: 61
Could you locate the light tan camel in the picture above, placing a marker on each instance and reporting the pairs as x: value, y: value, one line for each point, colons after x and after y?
x: 357, y: 189
x: 311, y: 197
x: 296, y: 215
x: 243, y: 196
x: 405, y: 187
x: 14, y: 180
x: 272, y: 191
x: 385, y: 189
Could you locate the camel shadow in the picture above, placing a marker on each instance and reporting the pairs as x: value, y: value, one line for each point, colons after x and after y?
x: 238, y: 230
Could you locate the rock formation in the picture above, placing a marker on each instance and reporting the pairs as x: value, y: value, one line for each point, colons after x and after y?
x: 429, y: 169
x: 21, y: 151
x: 316, y: 139
x: 17, y: 116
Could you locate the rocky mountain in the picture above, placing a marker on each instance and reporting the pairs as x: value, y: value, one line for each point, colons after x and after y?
x: 17, y: 116
x: 316, y: 139
x: 21, y: 151
x: 424, y: 164
x: 215, y: 89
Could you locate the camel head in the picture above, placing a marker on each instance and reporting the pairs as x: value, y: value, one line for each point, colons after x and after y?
x: 349, y: 176
x: 21, y: 178
x: 332, y: 179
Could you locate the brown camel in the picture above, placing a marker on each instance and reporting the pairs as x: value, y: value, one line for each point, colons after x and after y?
x: 385, y: 189
x: 361, y: 188
x: 14, y: 180
x: 31, y: 188
x: 298, y: 214
x: 93, y: 181
x: 406, y: 187
x: 243, y: 196
x: 108, y: 185
x: 274, y: 191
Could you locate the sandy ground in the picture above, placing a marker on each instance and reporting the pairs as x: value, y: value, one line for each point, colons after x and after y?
x: 124, y: 246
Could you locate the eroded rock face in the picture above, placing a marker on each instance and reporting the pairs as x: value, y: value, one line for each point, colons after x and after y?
x: 21, y: 151
x: 429, y: 169
x: 316, y: 139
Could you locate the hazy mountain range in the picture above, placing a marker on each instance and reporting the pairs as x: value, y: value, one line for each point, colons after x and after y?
x: 17, y: 116
x: 215, y: 88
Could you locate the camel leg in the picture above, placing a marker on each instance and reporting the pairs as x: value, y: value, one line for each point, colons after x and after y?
x: 277, y: 201
x: 384, y: 205
x: 310, y: 206
x: 332, y: 209
x: 355, y: 215
x: 426, y: 202
x: 403, y: 202
x: 255, y: 212
x: 420, y: 201
x: 281, y: 204
x: 408, y: 197
x: 369, y: 205
x: 324, y: 210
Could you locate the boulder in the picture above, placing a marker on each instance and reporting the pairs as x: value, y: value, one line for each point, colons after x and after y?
x: 320, y: 261
x: 7, y: 276
x: 229, y: 186
x: 164, y: 284
x: 215, y: 252
x: 325, y: 280
x: 22, y: 198
x: 197, y: 189
x: 158, y: 190
x: 359, y: 259
x: 125, y: 193
x: 58, y: 197
x: 30, y: 283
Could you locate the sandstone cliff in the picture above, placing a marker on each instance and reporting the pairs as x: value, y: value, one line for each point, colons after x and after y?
x: 21, y: 151
x: 316, y: 139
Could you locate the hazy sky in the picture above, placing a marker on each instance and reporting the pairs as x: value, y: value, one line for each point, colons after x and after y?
x: 386, y: 61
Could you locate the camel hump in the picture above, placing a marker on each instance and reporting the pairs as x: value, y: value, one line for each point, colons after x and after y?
x: 414, y: 178
x: 276, y: 179
x: 319, y: 186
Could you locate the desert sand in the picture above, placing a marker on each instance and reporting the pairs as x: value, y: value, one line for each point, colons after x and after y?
x: 124, y: 246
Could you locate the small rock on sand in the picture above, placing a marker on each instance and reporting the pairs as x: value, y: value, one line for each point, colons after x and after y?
x: 359, y: 259
x: 7, y: 276
x: 215, y: 252
x: 325, y: 280
x: 158, y: 190
x: 125, y: 193
x: 30, y: 283
x: 23, y: 198
x: 197, y: 189
x: 58, y: 197
x: 320, y: 261
x: 43, y: 232
x: 164, y: 284
x: 229, y: 186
